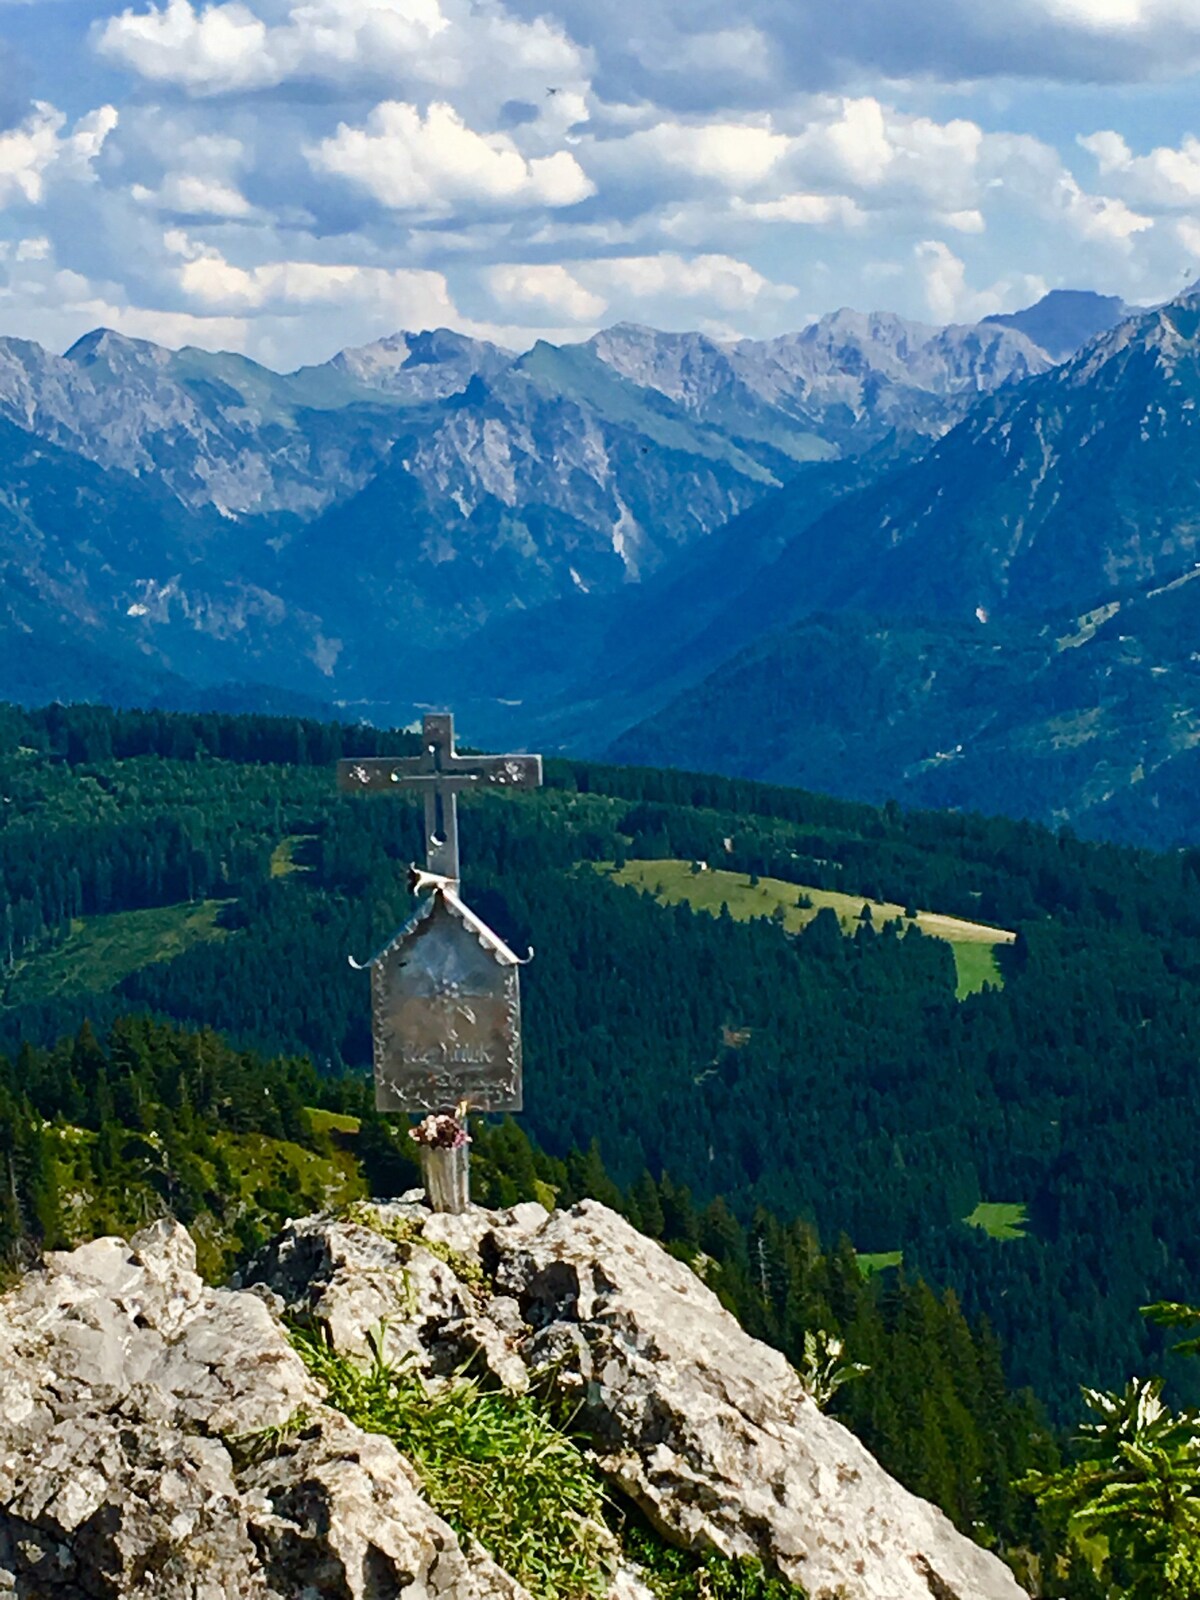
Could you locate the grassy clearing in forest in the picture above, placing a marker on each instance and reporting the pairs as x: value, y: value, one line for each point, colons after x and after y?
x: 880, y: 1261
x: 974, y: 943
x: 999, y: 1220
x: 283, y: 857
x: 100, y: 951
x: 252, y: 1179
x: 332, y: 1121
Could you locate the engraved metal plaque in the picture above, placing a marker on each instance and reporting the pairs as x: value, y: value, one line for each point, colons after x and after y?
x: 446, y: 1014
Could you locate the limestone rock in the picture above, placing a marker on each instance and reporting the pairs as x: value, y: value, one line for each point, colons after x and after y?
x: 710, y: 1432
x: 160, y: 1440
x: 417, y: 1272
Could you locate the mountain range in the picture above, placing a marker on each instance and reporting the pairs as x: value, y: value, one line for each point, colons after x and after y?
x: 883, y: 558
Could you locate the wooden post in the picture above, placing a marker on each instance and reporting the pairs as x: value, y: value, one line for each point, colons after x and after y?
x: 447, y: 1177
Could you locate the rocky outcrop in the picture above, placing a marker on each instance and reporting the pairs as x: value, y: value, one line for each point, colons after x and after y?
x: 158, y: 1437
x: 162, y: 1439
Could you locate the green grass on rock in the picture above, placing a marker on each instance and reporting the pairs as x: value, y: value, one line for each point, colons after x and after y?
x: 492, y: 1463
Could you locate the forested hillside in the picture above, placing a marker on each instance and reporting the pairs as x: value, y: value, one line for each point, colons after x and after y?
x: 98, y: 1136
x: 829, y: 1076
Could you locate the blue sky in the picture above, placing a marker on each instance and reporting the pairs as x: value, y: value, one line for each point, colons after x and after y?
x: 288, y: 177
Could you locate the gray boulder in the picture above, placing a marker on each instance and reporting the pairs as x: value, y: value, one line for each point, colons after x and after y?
x: 160, y: 1438
x: 707, y: 1430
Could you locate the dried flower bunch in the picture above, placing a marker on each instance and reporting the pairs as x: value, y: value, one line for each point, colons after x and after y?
x: 440, y: 1130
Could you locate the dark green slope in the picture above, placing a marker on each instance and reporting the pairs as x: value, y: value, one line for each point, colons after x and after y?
x: 1091, y: 720
x: 829, y: 1076
x: 1007, y: 622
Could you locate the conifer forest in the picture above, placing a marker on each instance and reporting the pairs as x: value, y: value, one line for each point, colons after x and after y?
x: 976, y: 1193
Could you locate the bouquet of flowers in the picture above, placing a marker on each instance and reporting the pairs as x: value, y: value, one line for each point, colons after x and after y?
x: 441, y: 1130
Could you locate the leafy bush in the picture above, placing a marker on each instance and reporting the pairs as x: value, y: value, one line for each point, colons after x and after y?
x: 491, y: 1463
x: 673, y: 1574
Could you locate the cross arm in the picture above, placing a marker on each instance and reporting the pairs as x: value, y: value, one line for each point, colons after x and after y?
x: 383, y: 774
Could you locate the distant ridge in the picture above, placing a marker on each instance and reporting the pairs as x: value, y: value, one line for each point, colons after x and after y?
x: 1064, y: 320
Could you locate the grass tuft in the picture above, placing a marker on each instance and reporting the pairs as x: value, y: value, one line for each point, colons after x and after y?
x: 491, y: 1463
x: 672, y: 1574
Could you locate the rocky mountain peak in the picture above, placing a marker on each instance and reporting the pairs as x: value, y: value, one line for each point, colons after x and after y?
x: 1065, y: 319
x: 429, y: 365
x: 116, y: 349
x: 160, y: 1438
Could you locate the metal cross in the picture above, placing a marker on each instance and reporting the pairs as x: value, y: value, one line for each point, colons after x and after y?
x: 440, y: 772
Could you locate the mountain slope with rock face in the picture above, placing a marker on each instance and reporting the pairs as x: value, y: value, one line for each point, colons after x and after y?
x: 1065, y: 319
x: 1050, y: 497
x: 419, y: 487
x: 847, y: 378
x: 161, y: 1438
x: 1006, y: 621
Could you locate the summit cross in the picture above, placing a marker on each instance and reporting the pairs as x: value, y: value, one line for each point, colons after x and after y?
x: 440, y: 773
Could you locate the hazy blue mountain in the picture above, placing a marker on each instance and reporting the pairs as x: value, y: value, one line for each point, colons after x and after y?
x: 1008, y: 621
x: 111, y: 588
x: 1064, y: 320
x: 1045, y: 498
x: 845, y: 381
x: 561, y: 541
x: 1092, y: 721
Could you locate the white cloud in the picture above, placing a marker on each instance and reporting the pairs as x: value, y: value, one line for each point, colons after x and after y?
x: 886, y: 156
x: 194, y: 195
x: 203, y: 179
x: 732, y: 154
x: 547, y: 284
x: 1166, y: 178
x: 229, y: 47
x: 724, y: 282
x: 810, y: 210
x: 433, y: 162
x: 411, y: 297
x: 38, y: 146
x: 219, y: 47
x: 950, y: 299
x: 1027, y: 174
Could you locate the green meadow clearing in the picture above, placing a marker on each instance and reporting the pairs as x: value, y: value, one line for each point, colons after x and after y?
x: 974, y: 943
x: 999, y: 1220
x: 100, y: 951
x: 869, y: 1264
x: 283, y: 857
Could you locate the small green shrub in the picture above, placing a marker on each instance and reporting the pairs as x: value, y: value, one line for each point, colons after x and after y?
x: 673, y: 1574
x: 492, y: 1463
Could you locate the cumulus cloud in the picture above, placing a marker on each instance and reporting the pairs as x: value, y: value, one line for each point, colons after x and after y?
x: 412, y: 297
x: 433, y: 162
x: 548, y: 286
x: 810, y: 210
x: 730, y: 153
x: 38, y: 147
x: 948, y: 295
x: 309, y: 172
x: 1023, y: 169
x: 202, y: 179
x: 1166, y: 178
x: 722, y: 281
x: 446, y: 45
